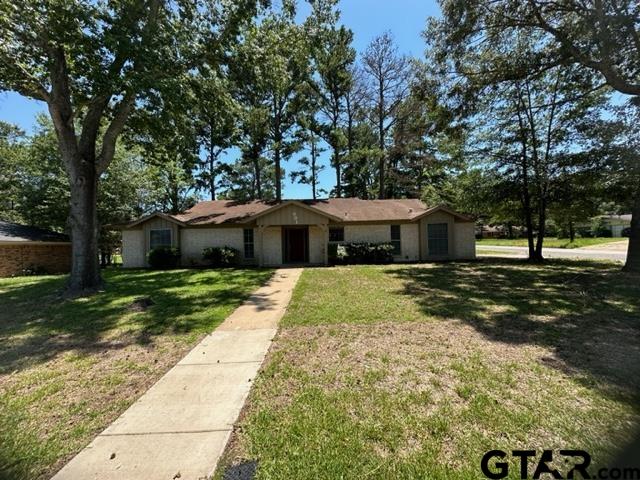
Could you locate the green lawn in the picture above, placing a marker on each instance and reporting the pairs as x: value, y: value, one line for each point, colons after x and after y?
x: 70, y: 367
x: 415, y: 372
x: 550, y: 242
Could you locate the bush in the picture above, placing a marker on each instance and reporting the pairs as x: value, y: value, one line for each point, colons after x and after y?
x: 553, y: 230
x: 584, y: 232
x: 599, y: 229
x: 626, y: 232
x: 32, y: 271
x: 162, y: 258
x: 221, y: 256
x: 365, y: 253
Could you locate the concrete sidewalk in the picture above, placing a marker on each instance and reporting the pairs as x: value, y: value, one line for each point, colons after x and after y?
x: 179, y: 428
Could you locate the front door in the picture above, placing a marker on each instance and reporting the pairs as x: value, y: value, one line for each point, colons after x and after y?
x: 296, y: 244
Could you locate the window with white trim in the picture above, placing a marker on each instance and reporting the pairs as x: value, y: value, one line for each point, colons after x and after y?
x: 249, y: 248
x: 159, y: 238
x: 395, y: 240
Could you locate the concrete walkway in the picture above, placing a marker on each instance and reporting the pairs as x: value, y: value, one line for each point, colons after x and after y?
x: 179, y: 428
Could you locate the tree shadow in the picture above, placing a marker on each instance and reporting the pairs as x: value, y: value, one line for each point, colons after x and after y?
x: 245, y: 470
x: 37, y: 323
x: 587, y: 314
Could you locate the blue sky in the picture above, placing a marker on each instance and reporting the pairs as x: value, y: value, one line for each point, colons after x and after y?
x: 406, y: 19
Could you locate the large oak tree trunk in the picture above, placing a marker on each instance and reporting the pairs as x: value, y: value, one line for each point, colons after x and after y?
x: 633, y: 252
x: 83, y: 222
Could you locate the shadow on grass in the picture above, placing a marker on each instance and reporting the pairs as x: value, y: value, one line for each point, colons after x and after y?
x: 36, y: 324
x: 587, y: 314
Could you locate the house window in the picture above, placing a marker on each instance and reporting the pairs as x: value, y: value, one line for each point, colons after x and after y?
x: 438, y: 236
x: 395, y: 239
x: 336, y: 234
x: 159, y: 238
x: 249, y: 250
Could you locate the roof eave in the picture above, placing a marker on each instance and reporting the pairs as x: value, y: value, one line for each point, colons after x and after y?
x: 443, y: 208
x: 287, y: 203
x: 146, y: 218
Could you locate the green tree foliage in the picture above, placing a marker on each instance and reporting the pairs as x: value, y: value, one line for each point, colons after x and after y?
x: 12, y: 157
x: 333, y: 58
x: 529, y: 130
x: 216, y: 114
x: 309, y: 137
x: 238, y: 180
x: 362, y: 158
x: 272, y: 71
x: 618, y: 143
x: 387, y: 74
x: 94, y: 64
x: 601, y: 37
x: 40, y: 191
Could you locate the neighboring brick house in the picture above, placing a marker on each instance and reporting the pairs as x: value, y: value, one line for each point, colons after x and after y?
x: 29, y: 248
x: 300, y: 231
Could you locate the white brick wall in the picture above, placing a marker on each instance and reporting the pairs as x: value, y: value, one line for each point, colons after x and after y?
x: 409, y: 239
x: 317, y: 244
x: 367, y: 233
x: 272, y: 246
x: 464, y: 240
x: 194, y: 240
x: 410, y: 242
x: 133, y: 254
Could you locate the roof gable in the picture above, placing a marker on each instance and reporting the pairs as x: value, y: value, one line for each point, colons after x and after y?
x: 444, y: 208
x: 146, y: 218
x: 299, y: 204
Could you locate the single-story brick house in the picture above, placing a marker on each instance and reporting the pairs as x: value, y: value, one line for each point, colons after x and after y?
x: 300, y: 231
x: 25, y: 248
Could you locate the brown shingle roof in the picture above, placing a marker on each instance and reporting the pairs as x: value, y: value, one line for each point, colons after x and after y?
x: 343, y: 209
x: 358, y: 210
x: 14, y: 232
x: 347, y: 209
x: 222, y: 211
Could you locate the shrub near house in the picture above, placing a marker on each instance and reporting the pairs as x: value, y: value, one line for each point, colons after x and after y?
x: 163, y: 258
x: 221, y: 256
x: 361, y: 253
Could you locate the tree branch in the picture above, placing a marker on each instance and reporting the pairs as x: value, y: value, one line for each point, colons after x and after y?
x: 602, y: 66
x: 113, y: 131
x: 59, y: 104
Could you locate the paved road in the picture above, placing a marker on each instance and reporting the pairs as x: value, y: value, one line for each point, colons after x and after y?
x: 575, y: 253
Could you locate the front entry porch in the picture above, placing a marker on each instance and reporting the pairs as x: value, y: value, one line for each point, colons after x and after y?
x: 293, y: 235
x: 295, y: 245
